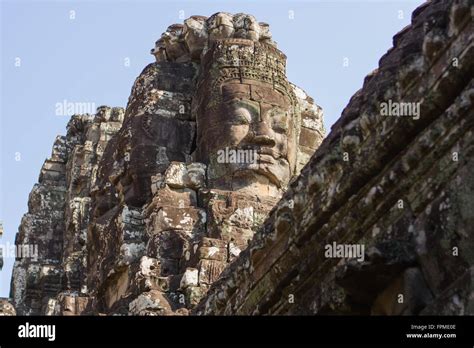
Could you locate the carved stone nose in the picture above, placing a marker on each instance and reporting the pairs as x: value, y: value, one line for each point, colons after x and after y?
x: 263, y: 134
x: 264, y: 139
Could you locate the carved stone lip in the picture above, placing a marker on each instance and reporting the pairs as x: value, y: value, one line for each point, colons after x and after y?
x: 269, y: 151
x: 266, y: 158
x: 265, y: 150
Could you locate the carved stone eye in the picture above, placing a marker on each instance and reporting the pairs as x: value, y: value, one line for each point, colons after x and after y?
x: 241, y: 115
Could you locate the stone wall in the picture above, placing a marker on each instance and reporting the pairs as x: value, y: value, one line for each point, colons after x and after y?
x: 58, y: 216
x: 133, y: 214
x: 126, y: 216
x: 1, y: 249
x: 6, y: 308
x: 161, y: 231
x: 401, y: 187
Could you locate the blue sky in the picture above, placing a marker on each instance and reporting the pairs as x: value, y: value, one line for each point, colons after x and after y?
x: 50, y: 54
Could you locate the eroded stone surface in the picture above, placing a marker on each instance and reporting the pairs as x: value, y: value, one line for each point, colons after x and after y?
x: 399, y: 186
x: 59, y: 211
x: 6, y: 308
x: 143, y: 217
x: 135, y: 214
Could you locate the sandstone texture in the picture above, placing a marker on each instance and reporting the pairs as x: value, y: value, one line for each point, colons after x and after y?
x: 205, y: 196
x: 6, y: 308
x: 1, y: 249
x: 138, y: 211
x: 58, y: 218
x: 402, y: 187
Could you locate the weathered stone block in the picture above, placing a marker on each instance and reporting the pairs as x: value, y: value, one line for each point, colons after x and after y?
x: 210, y: 270
x: 168, y: 244
x: 189, y: 278
x: 168, y: 218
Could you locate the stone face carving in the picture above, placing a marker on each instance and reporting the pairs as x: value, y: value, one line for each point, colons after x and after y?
x: 152, y: 215
x: 245, y: 105
x: 59, y: 213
